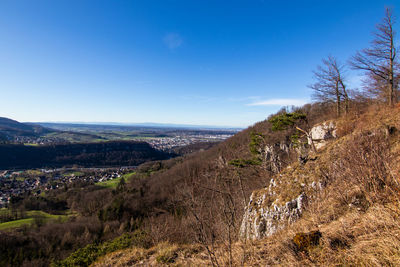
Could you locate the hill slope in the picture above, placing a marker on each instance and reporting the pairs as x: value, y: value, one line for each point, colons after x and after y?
x: 351, y: 218
x: 238, y: 203
x: 11, y: 128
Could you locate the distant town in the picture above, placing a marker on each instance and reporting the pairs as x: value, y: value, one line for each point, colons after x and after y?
x: 38, y: 182
x: 168, y: 143
x: 161, y: 138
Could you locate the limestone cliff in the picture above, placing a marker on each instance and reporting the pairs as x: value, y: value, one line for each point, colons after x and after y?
x: 283, y: 202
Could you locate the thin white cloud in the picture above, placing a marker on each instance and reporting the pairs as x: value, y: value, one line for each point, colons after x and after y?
x: 279, y: 102
x: 173, y: 40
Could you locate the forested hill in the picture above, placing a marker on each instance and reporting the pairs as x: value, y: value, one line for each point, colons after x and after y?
x: 114, y: 153
x: 11, y: 128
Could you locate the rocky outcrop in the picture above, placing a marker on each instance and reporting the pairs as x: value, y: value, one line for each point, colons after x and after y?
x: 273, y: 155
x: 321, y: 133
x: 265, y: 214
x: 262, y: 219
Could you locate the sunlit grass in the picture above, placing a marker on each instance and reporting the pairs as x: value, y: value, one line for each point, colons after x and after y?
x: 31, y: 218
x: 114, y: 182
x: 30, y: 144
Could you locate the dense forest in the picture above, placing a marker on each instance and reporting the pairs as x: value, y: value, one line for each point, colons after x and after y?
x: 113, y: 153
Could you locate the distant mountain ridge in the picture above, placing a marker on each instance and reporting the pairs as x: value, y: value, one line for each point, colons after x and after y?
x: 11, y: 128
x: 141, y: 124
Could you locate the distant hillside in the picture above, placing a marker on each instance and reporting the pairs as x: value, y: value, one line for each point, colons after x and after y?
x: 11, y: 128
x: 16, y: 132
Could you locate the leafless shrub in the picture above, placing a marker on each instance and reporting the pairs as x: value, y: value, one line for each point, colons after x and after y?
x: 366, y: 162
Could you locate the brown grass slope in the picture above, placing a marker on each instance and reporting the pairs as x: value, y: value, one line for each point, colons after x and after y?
x: 202, y: 198
x: 357, y: 211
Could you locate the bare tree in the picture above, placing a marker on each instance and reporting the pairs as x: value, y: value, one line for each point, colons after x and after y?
x: 379, y: 61
x: 329, y: 85
x: 376, y: 87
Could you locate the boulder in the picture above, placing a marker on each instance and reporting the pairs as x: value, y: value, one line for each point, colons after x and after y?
x: 321, y: 133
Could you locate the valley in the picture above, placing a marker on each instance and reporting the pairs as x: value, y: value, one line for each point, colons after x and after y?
x: 163, y: 137
x: 263, y: 133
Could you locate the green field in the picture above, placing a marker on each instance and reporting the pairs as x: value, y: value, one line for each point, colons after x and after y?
x: 76, y: 135
x: 114, y: 182
x: 29, y: 144
x: 31, y: 218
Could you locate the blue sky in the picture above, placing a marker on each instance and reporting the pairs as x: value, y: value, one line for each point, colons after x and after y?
x: 203, y: 62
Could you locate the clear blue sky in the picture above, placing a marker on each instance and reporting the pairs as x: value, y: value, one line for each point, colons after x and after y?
x: 205, y: 62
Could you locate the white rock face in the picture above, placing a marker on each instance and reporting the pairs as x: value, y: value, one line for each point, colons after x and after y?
x: 261, y: 220
x: 321, y: 133
x: 272, y: 155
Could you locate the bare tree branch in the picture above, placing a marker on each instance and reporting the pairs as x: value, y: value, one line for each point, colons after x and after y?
x: 379, y: 61
x: 329, y: 85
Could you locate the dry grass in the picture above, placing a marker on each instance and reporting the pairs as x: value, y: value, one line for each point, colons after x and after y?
x: 357, y: 211
x: 164, y: 254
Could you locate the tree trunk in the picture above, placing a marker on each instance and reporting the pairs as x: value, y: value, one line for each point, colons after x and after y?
x: 346, y: 97
x: 392, y: 98
x: 391, y: 70
x: 337, y: 99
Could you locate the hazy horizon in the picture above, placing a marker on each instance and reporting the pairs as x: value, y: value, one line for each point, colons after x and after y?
x: 155, y: 124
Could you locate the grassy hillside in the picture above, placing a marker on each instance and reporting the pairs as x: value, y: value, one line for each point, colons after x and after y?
x: 114, y: 182
x: 355, y: 217
x: 32, y: 217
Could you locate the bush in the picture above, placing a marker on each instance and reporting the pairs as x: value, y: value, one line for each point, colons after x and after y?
x: 241, y: 163
x: 282, y: 121
x: 87, y: 255
x: 256, y: 140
